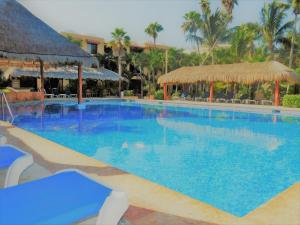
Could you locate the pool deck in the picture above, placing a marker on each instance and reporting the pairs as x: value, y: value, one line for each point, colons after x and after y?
x: 151, y: 203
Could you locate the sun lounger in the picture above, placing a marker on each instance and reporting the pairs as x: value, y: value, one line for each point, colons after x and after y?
x: 62, y: 95
x: 46, y: 95
x: 220, y: 100
x: 249, y: 101
x: 15, y: 161
x: 66, y: 197
x: 235, y: 100
x: 266, y: 102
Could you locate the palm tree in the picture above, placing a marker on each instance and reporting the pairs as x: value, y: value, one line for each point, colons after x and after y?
x: 213, y: 27
x: 296, y: 9
x: 153, y: 29
x: 191, y: 28
x: 273, y: 26
x: 120, y: 40
x: 139, y: 60
x: 228, y: 6
x: 242, y: 40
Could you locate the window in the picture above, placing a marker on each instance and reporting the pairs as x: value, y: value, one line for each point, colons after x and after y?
x: 92, y: 48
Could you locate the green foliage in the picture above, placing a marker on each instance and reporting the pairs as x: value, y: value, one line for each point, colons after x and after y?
x: 153, y: 29
x: 159, y: 94
x: 243, y: 91
x: 150, y: 87
x: 176, y: 94
x: 74, y: 41
x: 128, y: 93
x: 242, y: 40
x: 291, y: 101
x: 273, y: 17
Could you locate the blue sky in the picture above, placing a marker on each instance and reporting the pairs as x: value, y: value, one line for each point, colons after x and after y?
x: 100, y: 17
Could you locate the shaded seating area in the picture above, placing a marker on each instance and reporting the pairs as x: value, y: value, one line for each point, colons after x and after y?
x: 66, y: 77
x: 25, y: 37
x: 232, y: 74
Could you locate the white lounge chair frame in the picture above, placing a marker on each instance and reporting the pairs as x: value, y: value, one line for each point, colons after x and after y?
x: 17, y: 168
x: 114, y: 206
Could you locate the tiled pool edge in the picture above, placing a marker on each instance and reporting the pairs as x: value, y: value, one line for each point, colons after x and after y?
x: 145, y: 194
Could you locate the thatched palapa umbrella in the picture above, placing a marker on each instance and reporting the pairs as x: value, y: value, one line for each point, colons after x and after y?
x: 69, y: 73
x: 25, y: 37
x: 239, y: 72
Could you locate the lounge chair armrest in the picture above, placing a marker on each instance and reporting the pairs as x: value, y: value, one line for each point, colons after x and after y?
x: 113, y: 209
x: 16, y: 169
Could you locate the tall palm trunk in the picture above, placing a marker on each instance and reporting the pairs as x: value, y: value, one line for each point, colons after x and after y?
x: 120, y: 73
x: 293, y: 40
x: 270, y: 47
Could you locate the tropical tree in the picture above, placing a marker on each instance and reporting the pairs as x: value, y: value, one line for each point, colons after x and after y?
x: 191, y: 29
x: 74, y: 41
x: 155, y: 62
x: 213, y: 27
x: 153, y: 29
x: 120, y: 40
x: 228, y: 6
x: 296, y: 9
x: 273, y: 17
x: 242, y: 40
x: 139, y: 60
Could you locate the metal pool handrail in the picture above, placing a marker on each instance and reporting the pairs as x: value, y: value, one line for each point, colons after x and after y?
x: 4, y: 100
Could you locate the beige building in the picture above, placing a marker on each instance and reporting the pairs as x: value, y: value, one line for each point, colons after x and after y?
x: 97, y: 45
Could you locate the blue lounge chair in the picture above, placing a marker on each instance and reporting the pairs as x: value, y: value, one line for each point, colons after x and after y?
x: 64, y: 198
x: 15, y: 161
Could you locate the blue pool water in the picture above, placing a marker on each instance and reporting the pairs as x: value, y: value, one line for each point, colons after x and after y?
x: 231, y: 160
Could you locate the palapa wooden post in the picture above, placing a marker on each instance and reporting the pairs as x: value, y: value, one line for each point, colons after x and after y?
x: 165, y: 91
x: 42, y: 80
x: 276, y: 95
x: 211, y: 91
x: 79, y: 84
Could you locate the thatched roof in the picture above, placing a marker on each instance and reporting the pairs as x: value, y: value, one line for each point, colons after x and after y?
x: 69, y: 73
x: 25, y: 37
x: 239, y: 72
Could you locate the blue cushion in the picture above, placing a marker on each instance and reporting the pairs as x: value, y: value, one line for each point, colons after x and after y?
x: 8, y: 154
x: 63, y: 198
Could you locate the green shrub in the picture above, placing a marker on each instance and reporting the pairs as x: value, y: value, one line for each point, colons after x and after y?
x: 128, y: 93
x: 159, y: 94
x: 176, y: 94
x: 291, y: 101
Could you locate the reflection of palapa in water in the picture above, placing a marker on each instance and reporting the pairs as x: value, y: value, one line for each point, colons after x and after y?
x: 241, y: 136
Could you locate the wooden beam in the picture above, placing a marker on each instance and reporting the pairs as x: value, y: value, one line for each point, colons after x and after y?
x: 80, y: 100
x: 42, y: 79
x: 277, y: 93
x: 165, y: 91
x: 211, y: 91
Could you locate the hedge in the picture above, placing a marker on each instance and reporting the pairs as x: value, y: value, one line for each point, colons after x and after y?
x: 291, y: 101
x: 159, y: 95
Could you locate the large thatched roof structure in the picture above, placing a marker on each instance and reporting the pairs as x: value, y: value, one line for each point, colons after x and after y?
x: 68, y: 73
x: 25, y: 37
x: 239, y: 72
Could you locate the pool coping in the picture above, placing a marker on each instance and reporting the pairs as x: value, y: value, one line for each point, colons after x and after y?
x: 144, y: 193
x: 251, y: 108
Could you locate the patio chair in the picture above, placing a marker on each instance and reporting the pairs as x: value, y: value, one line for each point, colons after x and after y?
x: 220, y: 98
x: 70, y: 95
x: 66, y: 197
x: 15, y: 161
x: 55, y: 92
x: 88, y: 93
x: 48, y: 95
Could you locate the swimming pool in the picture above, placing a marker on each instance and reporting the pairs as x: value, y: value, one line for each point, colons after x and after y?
x: 234, y: 161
